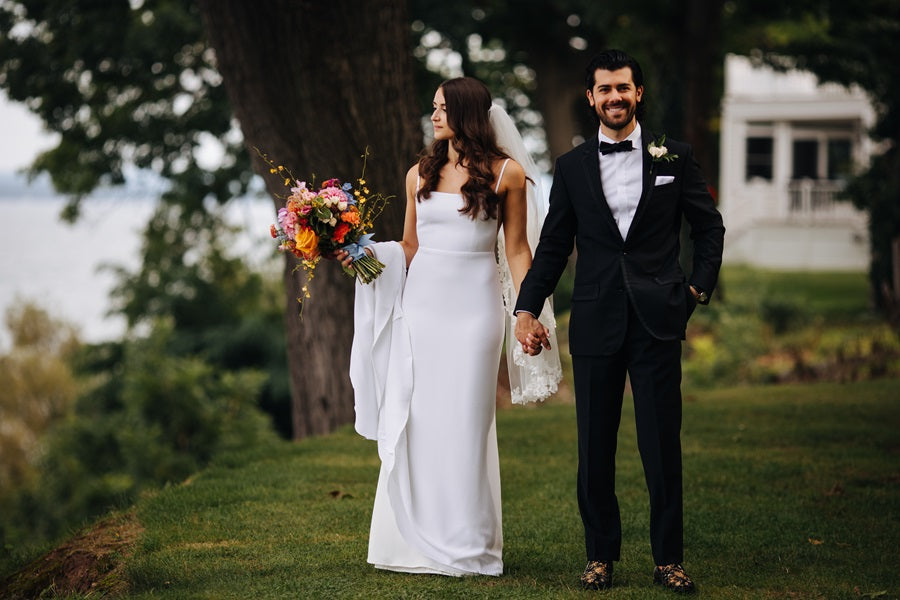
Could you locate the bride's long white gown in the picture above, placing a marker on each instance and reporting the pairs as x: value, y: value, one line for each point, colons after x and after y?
x: 437, y: 510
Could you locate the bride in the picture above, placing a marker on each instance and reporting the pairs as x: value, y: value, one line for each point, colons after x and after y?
x: 429, y: 334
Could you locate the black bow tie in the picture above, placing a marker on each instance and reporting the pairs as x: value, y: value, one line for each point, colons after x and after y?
x: 623, y: 146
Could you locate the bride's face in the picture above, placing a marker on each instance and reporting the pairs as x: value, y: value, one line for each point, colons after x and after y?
x: 439, y: 121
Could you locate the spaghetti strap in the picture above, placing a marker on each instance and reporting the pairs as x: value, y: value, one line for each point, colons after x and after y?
x: 500, y: 176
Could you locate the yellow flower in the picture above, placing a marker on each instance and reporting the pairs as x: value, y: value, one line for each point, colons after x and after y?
x: 307, y: 243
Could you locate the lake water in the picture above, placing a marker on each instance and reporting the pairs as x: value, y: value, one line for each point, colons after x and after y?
x: 58, y: 266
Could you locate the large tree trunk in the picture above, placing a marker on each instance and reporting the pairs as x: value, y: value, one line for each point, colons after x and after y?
x: 560, y: 96
x: 312, y: 85
x: 702, y: 58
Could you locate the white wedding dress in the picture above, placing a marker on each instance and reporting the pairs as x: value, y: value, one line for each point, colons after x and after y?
x: 437, y: 508
x: 424, y: 364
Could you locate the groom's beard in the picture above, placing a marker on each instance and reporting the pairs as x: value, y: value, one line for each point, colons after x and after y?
x: 619, y: 119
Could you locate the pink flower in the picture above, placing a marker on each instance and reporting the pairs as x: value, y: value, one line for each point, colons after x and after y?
x: 288, y: 223
x: 299, y: 188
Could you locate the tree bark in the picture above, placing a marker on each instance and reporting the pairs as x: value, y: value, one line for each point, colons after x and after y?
x: 312, y: 85
x: 560, y: 97
x: 703, y: 57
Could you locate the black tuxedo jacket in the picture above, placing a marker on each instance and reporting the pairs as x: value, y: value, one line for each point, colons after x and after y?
x: 644, y: 266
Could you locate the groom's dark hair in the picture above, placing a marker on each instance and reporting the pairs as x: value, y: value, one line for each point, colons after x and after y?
x: 613, y: 60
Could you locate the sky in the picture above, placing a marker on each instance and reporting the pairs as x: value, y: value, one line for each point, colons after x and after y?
x: 23, y: 135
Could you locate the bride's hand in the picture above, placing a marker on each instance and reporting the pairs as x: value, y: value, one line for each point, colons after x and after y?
x: 344, y: 258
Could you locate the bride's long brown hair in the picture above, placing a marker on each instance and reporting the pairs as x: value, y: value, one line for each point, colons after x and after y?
x: 468, y: 102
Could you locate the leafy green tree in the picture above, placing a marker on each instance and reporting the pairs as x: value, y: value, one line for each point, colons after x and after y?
x: 124, y: 84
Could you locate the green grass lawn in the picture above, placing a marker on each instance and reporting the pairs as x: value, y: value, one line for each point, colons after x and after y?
x: 835, y: 296
x: 791, y: 492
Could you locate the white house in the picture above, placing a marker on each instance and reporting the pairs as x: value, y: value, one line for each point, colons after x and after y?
x: 787, y: 144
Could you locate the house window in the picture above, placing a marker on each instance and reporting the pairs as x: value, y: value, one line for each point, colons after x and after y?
x: 806, y: 159
x: 840, y: 158
x: 759, y: 157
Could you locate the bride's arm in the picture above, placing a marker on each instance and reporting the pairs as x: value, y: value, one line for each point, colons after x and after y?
x: 410, y: 242
x: 515, y: 213
x: 533, y: 335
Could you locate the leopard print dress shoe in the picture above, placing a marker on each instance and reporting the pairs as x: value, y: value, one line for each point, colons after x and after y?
x: 672, y: 577
x: 597, y: 575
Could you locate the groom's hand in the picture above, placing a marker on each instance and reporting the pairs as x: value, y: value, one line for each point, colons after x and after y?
x: 531, y: 334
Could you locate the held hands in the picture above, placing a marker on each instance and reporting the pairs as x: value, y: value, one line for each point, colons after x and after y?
x: 531, y: 334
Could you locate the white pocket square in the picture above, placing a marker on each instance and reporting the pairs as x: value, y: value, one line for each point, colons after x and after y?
x: 664, y: 179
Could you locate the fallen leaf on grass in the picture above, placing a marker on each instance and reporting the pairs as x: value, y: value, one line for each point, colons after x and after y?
x: 815, y: 542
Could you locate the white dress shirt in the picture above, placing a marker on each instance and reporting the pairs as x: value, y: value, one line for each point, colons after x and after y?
x: 621, y: 177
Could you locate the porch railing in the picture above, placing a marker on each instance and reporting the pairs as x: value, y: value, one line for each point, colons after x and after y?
x: 817, y: 198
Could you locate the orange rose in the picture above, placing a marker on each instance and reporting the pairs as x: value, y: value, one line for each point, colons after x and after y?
x: 307, y: 243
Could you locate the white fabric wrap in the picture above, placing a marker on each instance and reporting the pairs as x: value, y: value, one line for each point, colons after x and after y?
x: 531, y: 378
x: 381, y: 356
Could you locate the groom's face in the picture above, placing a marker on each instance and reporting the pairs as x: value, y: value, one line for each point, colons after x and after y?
x: 615, y: 98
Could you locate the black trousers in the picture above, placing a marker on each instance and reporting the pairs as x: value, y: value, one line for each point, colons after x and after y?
x: 654, y: 367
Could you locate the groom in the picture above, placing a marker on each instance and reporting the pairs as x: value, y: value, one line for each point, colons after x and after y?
x: 619, y: 198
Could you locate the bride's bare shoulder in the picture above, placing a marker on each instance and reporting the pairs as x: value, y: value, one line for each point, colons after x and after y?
x: 513, y: 174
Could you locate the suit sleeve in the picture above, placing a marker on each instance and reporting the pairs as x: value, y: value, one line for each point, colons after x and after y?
x: 707, y: 230
x: 553, y: 250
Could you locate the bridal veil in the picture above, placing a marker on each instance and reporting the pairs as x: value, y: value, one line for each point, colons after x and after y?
x: 531, y: 378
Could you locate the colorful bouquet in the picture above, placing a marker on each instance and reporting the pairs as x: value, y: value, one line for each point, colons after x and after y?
x: 316, y: 222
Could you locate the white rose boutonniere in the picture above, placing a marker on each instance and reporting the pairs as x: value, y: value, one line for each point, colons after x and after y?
x: 659, y: 152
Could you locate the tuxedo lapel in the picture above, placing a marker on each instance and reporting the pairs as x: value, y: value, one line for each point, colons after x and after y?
x: 591, y: 162
x: 646, y: 177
